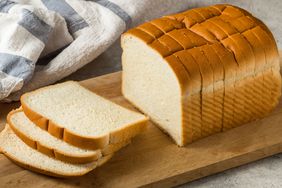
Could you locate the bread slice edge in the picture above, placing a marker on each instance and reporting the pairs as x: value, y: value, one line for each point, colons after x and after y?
x: 60, y: 155
x: 119, y: 135
x: 40, y: 170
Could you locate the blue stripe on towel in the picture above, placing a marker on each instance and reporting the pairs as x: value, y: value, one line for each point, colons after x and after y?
x: 35, y: 25
x: 16, y: 66
x: 115, y: 9
x: 6, y: 5
x: 74, y: 21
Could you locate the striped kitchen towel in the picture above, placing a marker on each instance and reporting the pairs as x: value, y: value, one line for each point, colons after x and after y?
x: 42, y: 41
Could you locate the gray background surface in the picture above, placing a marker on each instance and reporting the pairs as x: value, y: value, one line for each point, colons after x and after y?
x: 263, y: 173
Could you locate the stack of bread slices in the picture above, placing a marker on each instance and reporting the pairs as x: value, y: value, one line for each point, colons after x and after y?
x: 66, y: 130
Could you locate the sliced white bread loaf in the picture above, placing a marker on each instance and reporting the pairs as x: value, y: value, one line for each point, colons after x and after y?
x: 23, y: 155
x: 201, y: 71
x: 80, y: 117
x: 47, y: 144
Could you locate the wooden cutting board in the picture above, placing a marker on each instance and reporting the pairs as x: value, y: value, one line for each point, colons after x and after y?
x: 152, y: 159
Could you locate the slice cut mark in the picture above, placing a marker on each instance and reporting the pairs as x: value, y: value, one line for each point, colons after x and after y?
x: 214, y: 10
x: 239, y: 107
x: 207, y: 95
x: 271, y: 61
x: 180, y: 36
x: 219, y: 7
x: 232, y: 11
x: 148, y: 39
x: 223, y: 36
x: 240, y: 41
x: 207, y: 91
x: 230, y: 72
x: 192, y: 18
x: 161, y: 48
x: 170, y: 43
x: 218, y: 77
x: 196, y: 79
x: 243, y: 24
x: 151, y: 30
x: 201, y: 30
x: 250, y: 67
x: 260, y: 88
x: 187, y: 126
x: 187, y: 116
x: 166, y: 24
x: 189, y: 40
x: 215, y: 30
x: 174, y: 45
x: 205, y: 13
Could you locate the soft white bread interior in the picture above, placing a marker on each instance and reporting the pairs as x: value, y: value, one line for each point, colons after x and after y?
x: 80, y: 117
x: 47, y: 144
x: 152, y: 85
x: 201, y: 71
x: 23, y: 155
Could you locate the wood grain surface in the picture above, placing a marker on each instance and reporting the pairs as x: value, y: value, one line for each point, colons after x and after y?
x: 152, y: 159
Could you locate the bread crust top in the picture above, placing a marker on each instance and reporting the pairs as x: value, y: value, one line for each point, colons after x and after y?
x: 226, y: 31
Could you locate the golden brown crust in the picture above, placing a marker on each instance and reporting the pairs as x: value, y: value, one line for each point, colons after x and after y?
x: 151, y: 29
x: 142, y: 35
x: 239, y: 42
x: 50, y: 151
x: 218, y: 77
x: 206, y: 95
x: 166, y: 24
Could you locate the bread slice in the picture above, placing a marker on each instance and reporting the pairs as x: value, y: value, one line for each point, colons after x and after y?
x: 80, y: 117
x: 23, y: 155
x: 49, y: 145
x: 160, y: 79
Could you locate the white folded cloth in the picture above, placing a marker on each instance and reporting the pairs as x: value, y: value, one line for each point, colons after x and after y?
x: 43, y: 41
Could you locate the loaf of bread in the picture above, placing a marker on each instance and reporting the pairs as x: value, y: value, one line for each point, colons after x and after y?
x: 202, y: 71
